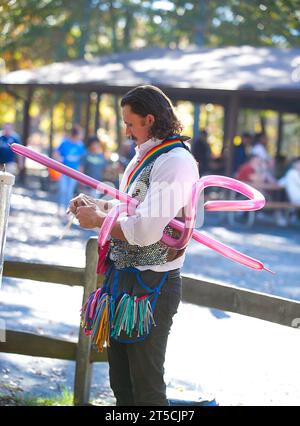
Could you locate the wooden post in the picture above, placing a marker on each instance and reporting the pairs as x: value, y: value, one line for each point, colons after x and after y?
x: 51, y: 130
x: 196, y: 125
x: 118, y: 127
x: 232, y: 117
x: 25, y: 130
x: 279, y: 133
x: 26, y: 117
x: 262, y: 120
x: 77, y: 108
x: 97, y: 113
x: 298, y: 115
x: 87, y: 117
x: 225, y: 125
x: 83, y: 370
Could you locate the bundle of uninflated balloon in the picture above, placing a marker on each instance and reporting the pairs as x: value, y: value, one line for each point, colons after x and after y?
x: 128, y: 204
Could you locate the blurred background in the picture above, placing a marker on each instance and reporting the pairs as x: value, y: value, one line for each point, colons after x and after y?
x: 35, y: 34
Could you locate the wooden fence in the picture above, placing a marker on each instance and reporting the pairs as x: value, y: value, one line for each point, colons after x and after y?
x: 198, y: 292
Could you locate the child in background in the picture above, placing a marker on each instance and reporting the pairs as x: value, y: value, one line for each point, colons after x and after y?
x: 93, y: 163
x: 69, y: 152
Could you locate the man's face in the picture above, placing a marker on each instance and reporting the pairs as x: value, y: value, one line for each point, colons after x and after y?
x: 137, y: 127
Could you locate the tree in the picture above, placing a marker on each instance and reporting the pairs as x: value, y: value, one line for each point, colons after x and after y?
x: 258, y: 23
x: 34, y: 33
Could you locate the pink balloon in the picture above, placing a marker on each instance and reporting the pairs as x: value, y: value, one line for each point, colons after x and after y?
x: 255, y: 201
x: 109, y: 222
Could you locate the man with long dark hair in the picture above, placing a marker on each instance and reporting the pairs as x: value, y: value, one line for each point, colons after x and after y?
x: 142, y: 287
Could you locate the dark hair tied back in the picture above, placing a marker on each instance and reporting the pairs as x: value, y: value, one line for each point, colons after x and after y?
x: 145, y: 100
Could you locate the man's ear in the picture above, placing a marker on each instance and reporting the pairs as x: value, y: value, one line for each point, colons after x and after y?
x: 149, y: 120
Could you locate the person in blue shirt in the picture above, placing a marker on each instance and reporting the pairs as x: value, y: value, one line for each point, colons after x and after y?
x: 7, y: 156
x: 240, y: 152
x: 70, y: 152
x: 94, y: 163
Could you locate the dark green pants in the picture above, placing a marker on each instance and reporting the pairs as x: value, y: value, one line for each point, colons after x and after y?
x: 136, y: 370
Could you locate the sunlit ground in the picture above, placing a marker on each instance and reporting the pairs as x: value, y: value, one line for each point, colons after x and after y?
x: 238, y: 360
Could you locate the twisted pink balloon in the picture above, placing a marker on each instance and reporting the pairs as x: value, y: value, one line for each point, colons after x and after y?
x: 256, y: 201
x: 128, y: 204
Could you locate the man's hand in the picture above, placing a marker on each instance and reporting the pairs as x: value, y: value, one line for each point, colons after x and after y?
x: 79, y: 201
x: 91, y: 213
x: 89, y: 216
x: 85, y: 200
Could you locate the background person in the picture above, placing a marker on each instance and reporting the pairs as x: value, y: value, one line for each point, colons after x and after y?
x: 70, y: 153
x: 93, y: 163
x: 291, y: 182
x: 251, y: 171
x: 13, y: 164
x: 240, y: 152
x: 259, y: 147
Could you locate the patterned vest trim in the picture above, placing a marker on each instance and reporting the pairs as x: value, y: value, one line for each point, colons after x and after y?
x: 124, y: 254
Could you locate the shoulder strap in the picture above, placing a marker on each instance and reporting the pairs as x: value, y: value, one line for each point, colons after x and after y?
x: 166, y: 146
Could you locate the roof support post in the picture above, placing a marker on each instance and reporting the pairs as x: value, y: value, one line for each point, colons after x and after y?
x: 298, y: 116
x: 97, y: 113
x: 280, y: 125
x: 51, y: 129
x: 25, y: 128
x: 118, y: 127
x: 87, y: 117
x: 196, y: 125
x: 26, y: 116
x: 230, y: 124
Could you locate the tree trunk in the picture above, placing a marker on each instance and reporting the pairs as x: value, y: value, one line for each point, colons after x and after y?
x: 127, y: 30
x: 113, y: 27
x: 84, y: 37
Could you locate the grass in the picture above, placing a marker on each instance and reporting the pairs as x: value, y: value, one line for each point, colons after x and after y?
x: 13, y: 399
x: 13, y: 395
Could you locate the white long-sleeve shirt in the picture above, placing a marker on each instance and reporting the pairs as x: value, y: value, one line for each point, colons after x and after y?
x: 291, y: 182
x: 171, y: 180
x: 260, y: 151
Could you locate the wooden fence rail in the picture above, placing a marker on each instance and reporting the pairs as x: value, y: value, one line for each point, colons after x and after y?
x: 23, y: 343
x: 202, y: 293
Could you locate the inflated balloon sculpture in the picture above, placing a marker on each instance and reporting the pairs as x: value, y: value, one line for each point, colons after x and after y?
x: 128, y: 204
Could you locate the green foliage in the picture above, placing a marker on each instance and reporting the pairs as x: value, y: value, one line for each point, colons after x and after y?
x: 259, y: 23
x: 34, y: 32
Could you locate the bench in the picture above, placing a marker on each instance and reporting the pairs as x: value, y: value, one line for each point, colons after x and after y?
x: 278, y: 205
x: 247, y: 219
x: 283, y: 211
